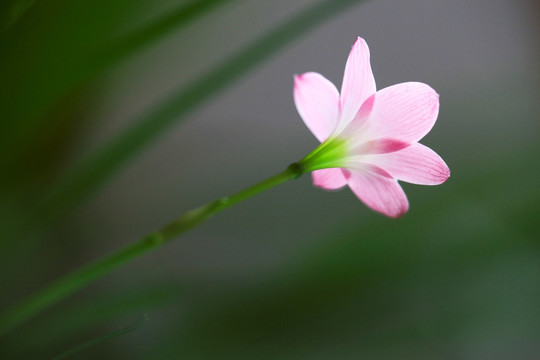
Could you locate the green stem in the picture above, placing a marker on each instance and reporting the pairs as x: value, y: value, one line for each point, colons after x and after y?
x: 85, y: 275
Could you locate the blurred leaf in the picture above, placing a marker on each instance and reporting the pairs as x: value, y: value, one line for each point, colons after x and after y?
x: 74, y: 318
x: 92, y: 172
x: 102, y: 338
x: 45, y: 90
x: 13, y: 10
x: 44, y: 54
x: 41, y: 85
x: 90, y: 47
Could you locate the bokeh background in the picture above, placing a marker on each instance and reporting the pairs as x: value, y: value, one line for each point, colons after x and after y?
x: 296, y: 272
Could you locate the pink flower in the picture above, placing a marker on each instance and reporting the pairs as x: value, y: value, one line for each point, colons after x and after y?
x: 369, y: 138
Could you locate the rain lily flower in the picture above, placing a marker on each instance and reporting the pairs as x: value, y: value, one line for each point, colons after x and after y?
x: 369, y: 139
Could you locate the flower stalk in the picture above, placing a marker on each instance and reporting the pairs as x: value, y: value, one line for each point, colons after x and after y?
x: 78, y: 279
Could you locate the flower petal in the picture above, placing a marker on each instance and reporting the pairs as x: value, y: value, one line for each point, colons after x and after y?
x: 379, y: 146
x: 329, y: 179
x: 404, y: 112
x: 317, y: 102
x: 358, y: 81
x: 415, y: 164
x: 380, y: 193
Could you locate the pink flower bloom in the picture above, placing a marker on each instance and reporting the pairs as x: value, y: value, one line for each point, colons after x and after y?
x: 369, y: 138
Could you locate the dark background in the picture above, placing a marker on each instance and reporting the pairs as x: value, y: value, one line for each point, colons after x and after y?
x: 296, y: 272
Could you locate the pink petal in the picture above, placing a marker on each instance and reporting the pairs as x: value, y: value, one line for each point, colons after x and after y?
x: 379, y: 146
x: 415, y: 164
x: 329, y: 179
x: 404, y: 112
x: 380, y: 193
x: 317, y: 102
x: 358, y: 81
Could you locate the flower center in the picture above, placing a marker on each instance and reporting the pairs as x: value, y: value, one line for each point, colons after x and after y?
x: 330, y: 154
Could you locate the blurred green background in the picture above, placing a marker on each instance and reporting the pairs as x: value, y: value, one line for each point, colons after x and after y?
x: 296, y: 272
